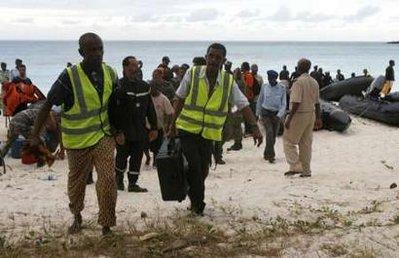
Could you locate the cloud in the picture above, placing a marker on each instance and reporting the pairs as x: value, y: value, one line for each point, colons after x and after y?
x: 172, y: 19
x: 70, y: 22
x: 208, y: 14
x: 248, y: 13
x: 284, y: 14
x: 24, y: 20
x: 312, y: 17
x: 363, y: 13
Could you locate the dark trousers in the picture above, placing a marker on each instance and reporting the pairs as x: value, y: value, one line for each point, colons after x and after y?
x: 134, y: 150
x: 218, y: 150
x: 198, y: 152
x: 252, y: 105
x: 271, y: 122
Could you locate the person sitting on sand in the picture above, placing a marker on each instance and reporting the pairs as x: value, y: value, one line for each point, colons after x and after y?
x: 22, y: 123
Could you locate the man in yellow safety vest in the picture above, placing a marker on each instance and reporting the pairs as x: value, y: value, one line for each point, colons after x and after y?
x: 201, y: 108
x: 85, y: 93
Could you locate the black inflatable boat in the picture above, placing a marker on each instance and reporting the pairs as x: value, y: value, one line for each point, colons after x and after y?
x: 382, y: 111
x: 352, y: 86
x: 393, y: 97
x: 334, y: 119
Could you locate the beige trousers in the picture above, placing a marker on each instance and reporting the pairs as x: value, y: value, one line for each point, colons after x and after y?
x: 81, y: 163
x: 386, y: 89
x: 300, y: 134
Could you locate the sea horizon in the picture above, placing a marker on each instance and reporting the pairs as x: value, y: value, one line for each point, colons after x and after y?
x: 46, y: 59
x: 210, y: 40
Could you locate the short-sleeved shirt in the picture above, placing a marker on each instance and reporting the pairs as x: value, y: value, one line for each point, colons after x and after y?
x: 162, y: 108
x: 305, y: 91
x: 14, y: 73
x: 61, y: 92
x: 238, y: 98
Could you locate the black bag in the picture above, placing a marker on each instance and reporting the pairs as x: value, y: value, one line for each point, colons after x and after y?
x: 172, y: 167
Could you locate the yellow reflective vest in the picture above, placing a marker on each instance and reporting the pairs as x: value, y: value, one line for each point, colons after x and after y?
x: 205, y: 112
x: 86, y: 123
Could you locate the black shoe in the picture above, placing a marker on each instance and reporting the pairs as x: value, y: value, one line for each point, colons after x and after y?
x: 40, y: 163
x: 272, y: 160
x: 106, y: 231
x: 198, y: 210
x: 136, y: 189
x: 235, y: 147
x: 305, y: 175
x: 292, y: 173
x: 76, y: 226
x: 90, y: 180
x: 119, y: 182
x: 2, y: 166
x: 220, y: 162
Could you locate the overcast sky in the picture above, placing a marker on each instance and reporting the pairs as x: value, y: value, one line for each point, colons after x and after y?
x: 268, y: 20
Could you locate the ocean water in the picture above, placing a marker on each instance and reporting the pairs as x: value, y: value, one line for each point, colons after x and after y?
x: 45, y: 60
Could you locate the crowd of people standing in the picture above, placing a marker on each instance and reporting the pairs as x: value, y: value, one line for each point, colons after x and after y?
x: 204, y: 104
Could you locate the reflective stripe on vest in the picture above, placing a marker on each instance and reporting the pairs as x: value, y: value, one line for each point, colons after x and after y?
x: 86, y: 122
x: 204, y: 114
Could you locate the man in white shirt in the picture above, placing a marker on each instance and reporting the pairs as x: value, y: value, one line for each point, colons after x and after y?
x: 15, y: 71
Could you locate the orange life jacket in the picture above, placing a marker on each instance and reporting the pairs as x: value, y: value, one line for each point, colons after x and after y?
x: 249, y: 85
x: 17, y: 94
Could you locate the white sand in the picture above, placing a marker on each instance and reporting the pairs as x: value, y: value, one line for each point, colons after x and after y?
x: 348, y: 175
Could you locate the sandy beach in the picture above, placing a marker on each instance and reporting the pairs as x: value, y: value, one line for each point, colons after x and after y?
x: 350, y: 191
